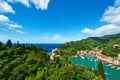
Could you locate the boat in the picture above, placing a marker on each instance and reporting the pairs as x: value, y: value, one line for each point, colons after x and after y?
x: 112, y: 66
x: 107, y: 74
x: 82, y: 57
x: 91, y: 60
x: 109, y: 65
x: 118, y: 68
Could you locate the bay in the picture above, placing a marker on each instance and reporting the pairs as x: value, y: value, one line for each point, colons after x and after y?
x: 112, y: 73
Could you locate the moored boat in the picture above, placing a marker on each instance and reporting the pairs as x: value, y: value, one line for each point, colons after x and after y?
x: 107, y: 74
x: 82, y: 57
x: 118, y: 68
x: 109, y: 65
x: 112, y: 66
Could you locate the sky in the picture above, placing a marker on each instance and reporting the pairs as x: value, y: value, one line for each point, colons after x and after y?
x: 57, y: 21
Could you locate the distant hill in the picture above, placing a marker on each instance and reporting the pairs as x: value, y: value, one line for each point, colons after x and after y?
x: 109, y: 43
x: 106, y: 38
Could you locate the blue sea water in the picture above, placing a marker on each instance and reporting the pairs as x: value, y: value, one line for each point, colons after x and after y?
x: 48, y: 47
x: 114, y: 74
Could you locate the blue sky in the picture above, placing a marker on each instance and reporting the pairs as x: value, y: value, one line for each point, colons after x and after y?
x: 57, y: 21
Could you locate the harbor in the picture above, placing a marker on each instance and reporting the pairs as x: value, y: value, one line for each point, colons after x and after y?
x: 112, y: 72
x: 98, y: 54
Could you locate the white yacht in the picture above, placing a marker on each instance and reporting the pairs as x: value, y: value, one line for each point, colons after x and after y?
x: 112, y: 66
x: 91, y: 60
x: 107, y: 74
x: 109, y: 65
x: 118, y: 68
x: 82, y: 57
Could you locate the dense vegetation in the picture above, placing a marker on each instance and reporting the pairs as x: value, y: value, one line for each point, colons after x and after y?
x: 23, y: 62
x: 110, y: 45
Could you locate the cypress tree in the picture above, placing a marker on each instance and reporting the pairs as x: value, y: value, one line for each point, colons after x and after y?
x: 18, y: 44
x: 101, y: 70
x: 9, y: 43
x: 1, y: 43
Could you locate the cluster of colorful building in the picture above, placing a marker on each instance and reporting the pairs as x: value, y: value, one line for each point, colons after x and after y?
x: 98, y: 54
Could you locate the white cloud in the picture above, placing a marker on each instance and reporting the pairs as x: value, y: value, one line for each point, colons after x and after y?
x: 19, y: 31
x: 24, y: 2
x: 110, y: 16
x: 16, y: 30
x: 117, y: 3
x: 87, y: 30
x: 103, y: 30
x: 39, y: 4
x: 3, y: 19
x: 13, y: 25
x: 5, y: 7
x: 56, y: 37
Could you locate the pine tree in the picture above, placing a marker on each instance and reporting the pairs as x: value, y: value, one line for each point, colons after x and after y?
x: 101, y: 70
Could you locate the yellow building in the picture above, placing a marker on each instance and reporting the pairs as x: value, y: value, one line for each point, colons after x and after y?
x: 118, y: 59
x: 118, y: 56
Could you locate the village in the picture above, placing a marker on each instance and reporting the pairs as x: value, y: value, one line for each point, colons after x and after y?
x: 98, y: 54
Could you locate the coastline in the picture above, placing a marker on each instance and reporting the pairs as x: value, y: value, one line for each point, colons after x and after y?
x: 98, y: 54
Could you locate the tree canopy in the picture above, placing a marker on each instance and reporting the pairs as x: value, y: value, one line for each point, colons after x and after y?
x: 9, y: 43
x: 32, y: 63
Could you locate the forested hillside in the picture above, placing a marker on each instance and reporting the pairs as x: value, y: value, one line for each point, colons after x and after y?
x: 21, y: 62
x: 109, y: 43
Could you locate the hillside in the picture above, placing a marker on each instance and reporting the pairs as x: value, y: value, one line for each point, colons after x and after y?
x: 106, y: 38
x: 109, y: 43
x: 21, y: 62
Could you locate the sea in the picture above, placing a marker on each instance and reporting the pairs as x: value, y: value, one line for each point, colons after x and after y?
x: 112, y: 73
x: 48, y: 47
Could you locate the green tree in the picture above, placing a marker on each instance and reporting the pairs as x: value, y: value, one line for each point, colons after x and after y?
x: 101, y: 70
x: 57, y: 60
x: 9, y: 43
x: 17, y: 44
x: 1, y: 43
x: 98, y: 78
